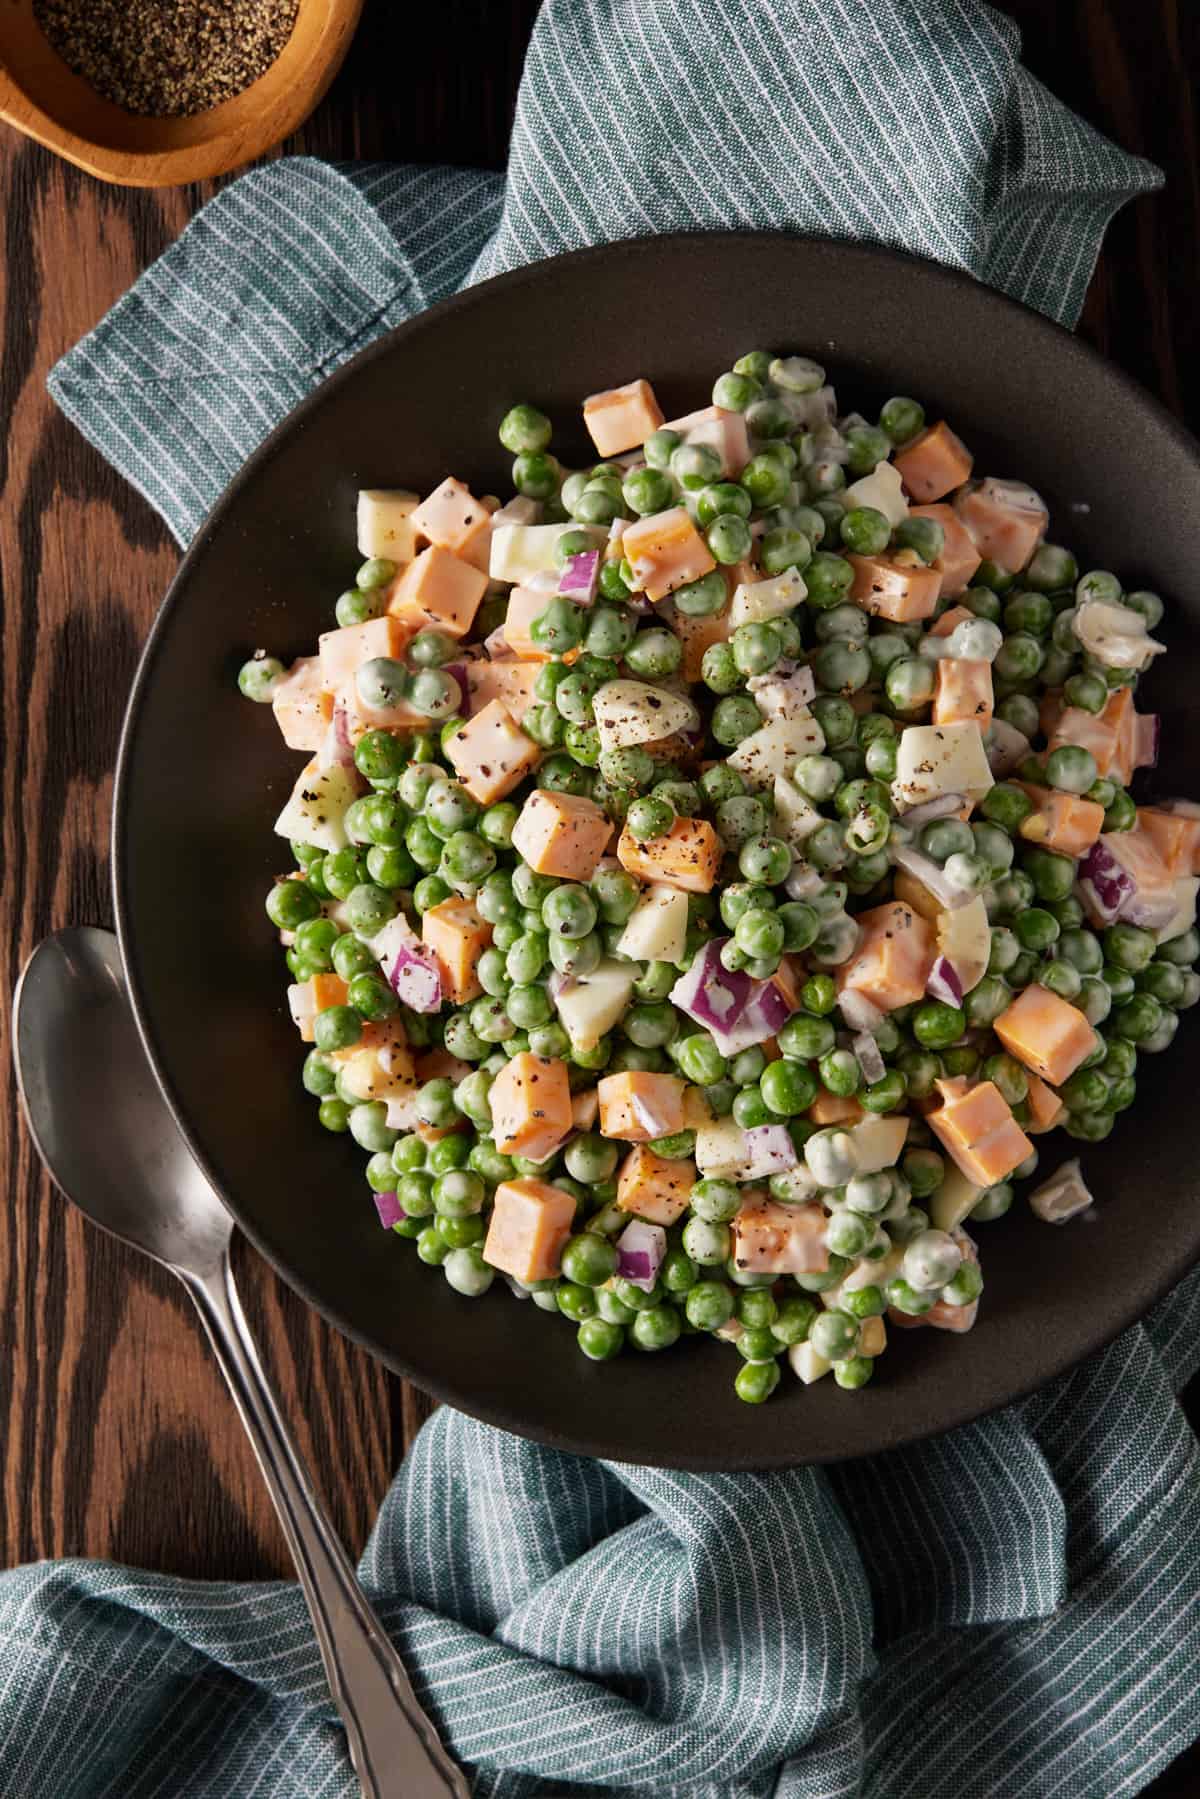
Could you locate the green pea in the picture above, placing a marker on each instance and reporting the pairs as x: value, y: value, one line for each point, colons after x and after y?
x: 828, y: 579
x: 656, y: 1328
x: 523, y: 428
x: 1128, y: 948
x: 734, y: 718
x: 865, y: 531
x: 901, y: 419
x: 909, y: 683
x: 1121, y: 815
x: 922, y: 535
x: 936, y: 1025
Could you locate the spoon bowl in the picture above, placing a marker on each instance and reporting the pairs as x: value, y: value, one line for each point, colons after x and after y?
x: 91, y: 1099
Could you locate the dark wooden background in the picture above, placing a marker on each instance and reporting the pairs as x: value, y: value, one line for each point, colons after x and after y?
x: 116, y: 1436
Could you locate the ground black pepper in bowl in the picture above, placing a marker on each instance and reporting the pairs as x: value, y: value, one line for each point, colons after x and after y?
x: 167, y: 58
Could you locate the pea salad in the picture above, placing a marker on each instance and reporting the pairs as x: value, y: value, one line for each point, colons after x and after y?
x: 716, y: 866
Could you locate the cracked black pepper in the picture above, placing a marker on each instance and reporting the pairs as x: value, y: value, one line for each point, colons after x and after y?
x: 167, y: 58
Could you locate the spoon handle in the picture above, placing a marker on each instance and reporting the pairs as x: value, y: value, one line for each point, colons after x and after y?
x: 394, y: 1747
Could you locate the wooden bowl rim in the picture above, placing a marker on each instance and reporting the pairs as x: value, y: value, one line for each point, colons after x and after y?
x: 225, y: 137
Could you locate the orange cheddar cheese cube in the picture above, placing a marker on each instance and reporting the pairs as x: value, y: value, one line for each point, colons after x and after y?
x: 697, y: 635
x: 437, y: 590
x: 511, y: 683
x: 638, y: 1107
x: 652, y: 1187
x: 960, y: 557
x: 906, y: 887
x: 315, y: 995
x: 1045, y: 1107
x: 1064, y: 822
x: 1175, y: 837
x: 561, y: 834
x: 769, y: 1238
x: 963, y: 691
x: 491, y: 755
x: 530, y: 1100
x: 888, y: 588
x: 721, y: 430
x: 345, y: 650
x: 689, y: 856
x: 450, y: 516
x: 530, y: 1222
x: 1046, y: 1034
x: 622, y: 418
x: 1006, y: 521
x: 947, y: 622
x: 1071, y: 724
x: 666, y: 551
x: 524, y: 605
x: 458, y: 936
x: 585, y: 1108
x: 790, y: 977
x: 934, y: 463
x: 892, y: 962
x: 829, y: 1108
x: 302, y: 705
x: 977, y: 1129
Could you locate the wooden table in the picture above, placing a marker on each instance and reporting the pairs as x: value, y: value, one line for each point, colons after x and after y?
x: 116, y: 1435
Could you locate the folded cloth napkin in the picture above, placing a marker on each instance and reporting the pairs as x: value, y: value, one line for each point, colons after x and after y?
x: 1009, y: 1610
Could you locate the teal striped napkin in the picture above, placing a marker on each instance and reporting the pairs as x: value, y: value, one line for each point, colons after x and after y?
x: 1008, y: 1611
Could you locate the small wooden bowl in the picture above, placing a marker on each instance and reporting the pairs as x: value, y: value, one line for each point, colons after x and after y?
x: 43, y: 98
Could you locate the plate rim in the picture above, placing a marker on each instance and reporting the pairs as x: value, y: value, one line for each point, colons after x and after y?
x: 882, y: 256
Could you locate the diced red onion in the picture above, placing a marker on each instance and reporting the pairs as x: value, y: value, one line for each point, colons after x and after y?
x: 579, y: 577
x: 1146, y: 741
x: 943, y: 806
x: 709, y: 992
x: 869, y: 1058
x: 943, y: 982
x: 640, y: 1251
x: 336, y: 749
x: 1063, y: 1196
x: 926, y: 870
x: 389, y: 1208
x: 859, y: 1012
x: 769, y: 1150
x: 409, y: 966
x: 1106, y: 883
x: 763, y: 1017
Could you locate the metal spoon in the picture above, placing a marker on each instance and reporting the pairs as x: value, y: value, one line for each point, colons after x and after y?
x: 103, y: 1130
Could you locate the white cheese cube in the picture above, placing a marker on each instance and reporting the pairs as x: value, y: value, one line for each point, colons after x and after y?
x: 518, y: 552
x: 721, y: 1149
x: 630, y: 712
x: 1184, y: 917
x: 589, y: 1005
x: 775, y: 750
x: 795, y: 817
x: 755, y: 601
x: 385, y: 523
x: 883, y: 489
x: 806, y: 1364
x: 954, y: 1200
x: 317, y: 807
x: 932, y: 760
x: 878, y: 1142
x: 964, y: 937
x: 657, y: 929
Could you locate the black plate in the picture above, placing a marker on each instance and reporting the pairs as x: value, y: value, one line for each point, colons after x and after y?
x: 202, y: 775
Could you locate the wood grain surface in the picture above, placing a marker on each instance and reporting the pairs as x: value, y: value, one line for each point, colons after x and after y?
x: 116, y: 1436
